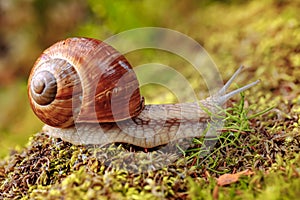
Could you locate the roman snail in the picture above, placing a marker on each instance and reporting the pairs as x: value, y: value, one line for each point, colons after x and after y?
x: 86, y: 92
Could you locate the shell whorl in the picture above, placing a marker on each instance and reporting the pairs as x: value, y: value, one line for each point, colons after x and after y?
x: 83, y: 80
x: 44, y: 88
x: 54, y: 90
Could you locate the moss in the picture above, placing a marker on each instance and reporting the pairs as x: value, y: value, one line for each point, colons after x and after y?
x: 50, y: 168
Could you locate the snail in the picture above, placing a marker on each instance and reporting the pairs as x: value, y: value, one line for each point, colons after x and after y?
x: 86, y: 92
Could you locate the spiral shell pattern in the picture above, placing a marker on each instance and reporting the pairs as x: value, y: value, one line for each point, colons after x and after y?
x: 83, y: 80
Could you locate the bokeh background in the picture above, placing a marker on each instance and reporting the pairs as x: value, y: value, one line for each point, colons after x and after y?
x: 263, y: 35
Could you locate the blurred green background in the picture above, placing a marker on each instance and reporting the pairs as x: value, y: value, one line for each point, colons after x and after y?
x: 233, y: 32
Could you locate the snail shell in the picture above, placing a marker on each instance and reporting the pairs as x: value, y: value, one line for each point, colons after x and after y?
x: 86, y: 74
x: 86, y: 82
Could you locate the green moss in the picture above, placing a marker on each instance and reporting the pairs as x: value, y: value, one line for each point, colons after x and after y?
x: 49, y: 168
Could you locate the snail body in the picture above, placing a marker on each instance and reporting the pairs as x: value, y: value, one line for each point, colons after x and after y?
x: 86, y: 92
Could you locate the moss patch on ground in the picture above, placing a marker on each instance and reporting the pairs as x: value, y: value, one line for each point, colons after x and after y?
x: 266, y: 144
x: 50, y: 168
